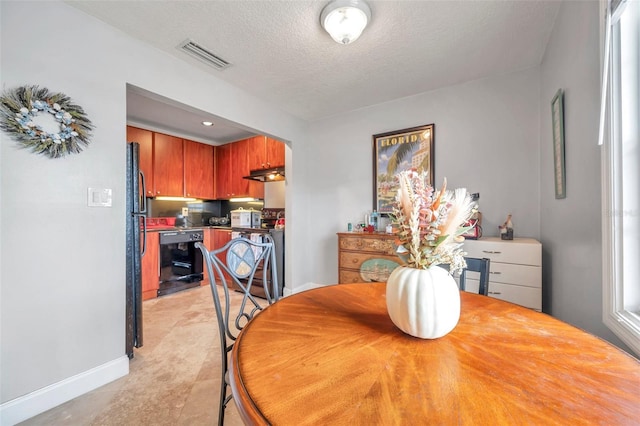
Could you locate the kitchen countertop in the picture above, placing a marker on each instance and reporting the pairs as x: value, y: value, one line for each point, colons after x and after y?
x: 187, y: 228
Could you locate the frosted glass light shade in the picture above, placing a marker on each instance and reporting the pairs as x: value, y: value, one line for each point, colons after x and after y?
x: 345, y: 20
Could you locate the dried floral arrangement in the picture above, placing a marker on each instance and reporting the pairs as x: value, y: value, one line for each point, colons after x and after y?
x: 20, y: 110
x: 430, y: 223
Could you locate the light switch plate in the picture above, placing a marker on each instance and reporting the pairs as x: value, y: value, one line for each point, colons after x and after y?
x: 99, y: 197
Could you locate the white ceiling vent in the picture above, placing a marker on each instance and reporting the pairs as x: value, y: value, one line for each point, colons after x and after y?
x: 202, y: 54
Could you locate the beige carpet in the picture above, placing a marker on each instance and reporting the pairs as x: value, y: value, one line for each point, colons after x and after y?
x: 173, y: 379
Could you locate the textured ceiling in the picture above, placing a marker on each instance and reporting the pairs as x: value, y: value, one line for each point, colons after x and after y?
x: 279, y: 51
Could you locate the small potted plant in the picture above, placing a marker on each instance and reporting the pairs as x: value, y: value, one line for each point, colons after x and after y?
x: 423, y: 299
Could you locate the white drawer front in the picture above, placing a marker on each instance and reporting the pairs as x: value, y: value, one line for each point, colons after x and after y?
x: 507, y: 273
x: 505, y: 251
x: 529, y: 297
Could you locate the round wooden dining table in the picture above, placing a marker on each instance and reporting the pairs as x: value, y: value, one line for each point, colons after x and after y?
x: 331, y: 355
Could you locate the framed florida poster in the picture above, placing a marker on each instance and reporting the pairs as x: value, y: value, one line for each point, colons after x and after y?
x: 394, y: 152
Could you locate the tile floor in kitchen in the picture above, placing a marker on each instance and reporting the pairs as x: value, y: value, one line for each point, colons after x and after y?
x: 173, y: 379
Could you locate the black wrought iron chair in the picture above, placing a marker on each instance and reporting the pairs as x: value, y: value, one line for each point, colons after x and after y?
x: 237, y: 266
x: 477, y: 265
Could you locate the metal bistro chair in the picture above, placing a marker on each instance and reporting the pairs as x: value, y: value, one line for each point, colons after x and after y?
x: 236, y: 266
x: 477, y: 265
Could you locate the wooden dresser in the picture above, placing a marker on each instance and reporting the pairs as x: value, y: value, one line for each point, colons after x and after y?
x: 365, y: 257
x: 515, y: 272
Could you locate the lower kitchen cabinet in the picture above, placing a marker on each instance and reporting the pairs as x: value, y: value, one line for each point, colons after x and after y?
x: 515, y: 271
x: 365, y: 257
x: 207, y: 238
x: 219, y: 238
x: 150, y: 267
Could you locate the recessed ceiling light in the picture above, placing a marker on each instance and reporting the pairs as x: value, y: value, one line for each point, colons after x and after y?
x: 207, y: 123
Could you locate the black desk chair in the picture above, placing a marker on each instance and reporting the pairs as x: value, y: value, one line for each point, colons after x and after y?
x: 236, y: 266
x: 477, y: 265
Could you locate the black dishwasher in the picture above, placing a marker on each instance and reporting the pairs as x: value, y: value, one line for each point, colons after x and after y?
x: 180, y: 261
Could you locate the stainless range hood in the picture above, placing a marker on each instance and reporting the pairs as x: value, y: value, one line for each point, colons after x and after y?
x: 273, y: 174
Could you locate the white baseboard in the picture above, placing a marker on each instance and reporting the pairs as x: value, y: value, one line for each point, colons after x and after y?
x: 41, y: 400
x: 304, y: 287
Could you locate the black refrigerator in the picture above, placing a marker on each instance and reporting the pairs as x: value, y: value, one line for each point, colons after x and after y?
x: 136, y: 246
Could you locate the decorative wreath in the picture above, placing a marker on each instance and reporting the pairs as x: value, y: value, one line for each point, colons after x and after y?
x: 19, y: 107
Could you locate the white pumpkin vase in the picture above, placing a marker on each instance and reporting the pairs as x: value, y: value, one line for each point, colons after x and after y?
x: 423, y: 303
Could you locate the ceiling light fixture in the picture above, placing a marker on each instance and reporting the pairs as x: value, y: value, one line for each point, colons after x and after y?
x: 345, y: 20
x: 207, y: 123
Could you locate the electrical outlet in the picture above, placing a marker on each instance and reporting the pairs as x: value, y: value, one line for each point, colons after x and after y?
x: 185, y: 211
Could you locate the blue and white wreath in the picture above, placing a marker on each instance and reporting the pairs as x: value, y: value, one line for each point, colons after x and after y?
x: 18, y: 109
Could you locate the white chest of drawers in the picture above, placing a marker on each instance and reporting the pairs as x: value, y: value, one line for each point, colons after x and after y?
x: 515, y: 270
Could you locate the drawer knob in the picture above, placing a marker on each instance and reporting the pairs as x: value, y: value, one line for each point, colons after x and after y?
x: 495, y: 292
x: 495, y: 273
x: 491, y: 251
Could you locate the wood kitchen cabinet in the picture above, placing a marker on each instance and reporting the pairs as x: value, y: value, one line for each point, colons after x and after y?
x: 515, y: 271
x: 240, y: 168
x: 198, y: 170
x: 223, y: 171
x: 145, y: 140
x: 207, y: 239
x: 241, y: 153
x: 366, y: 257
x: 183, y: 168
x: 168, y: 166
x: 220, y: 237
x: 274, y: 150
x: 265, y: 152
x: 232, y: 164
x: 150, y: 267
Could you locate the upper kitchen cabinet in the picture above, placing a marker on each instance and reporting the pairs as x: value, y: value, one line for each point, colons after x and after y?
x: 223, y: 171
x: 145, y: 140
x: 240, y: 159
x: 265, y: 153
x: 198, y: 170
x: 232, y: 164
x: 274, y: 150
x: 168, y: 169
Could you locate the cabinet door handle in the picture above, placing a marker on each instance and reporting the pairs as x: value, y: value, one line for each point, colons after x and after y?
x: 495, y: 292
x: 491, y: 251
x: 495, y: 273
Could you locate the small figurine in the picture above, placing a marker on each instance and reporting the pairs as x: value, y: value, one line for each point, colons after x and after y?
x: 506, y: 230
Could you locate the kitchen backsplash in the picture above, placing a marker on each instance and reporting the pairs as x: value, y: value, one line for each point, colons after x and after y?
x: 199, y: 212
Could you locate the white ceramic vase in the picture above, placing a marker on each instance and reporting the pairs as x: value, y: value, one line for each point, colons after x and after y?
x: 424, y: 303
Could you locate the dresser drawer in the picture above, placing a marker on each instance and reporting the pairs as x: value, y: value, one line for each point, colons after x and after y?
x: 522, y: 251
x: 348, y: 276
x: 374, y: 245
x: 529, y: 297
x: 353, y: 260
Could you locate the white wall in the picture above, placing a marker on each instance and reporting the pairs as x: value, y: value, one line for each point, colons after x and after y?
x: 63, y: 263
x: 486, y: 139
x: 570, y: 229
